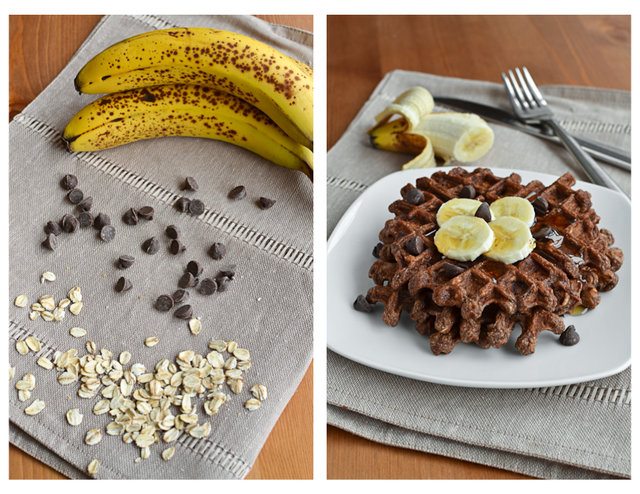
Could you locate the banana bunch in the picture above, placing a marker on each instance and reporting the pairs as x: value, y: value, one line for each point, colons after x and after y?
x: 427, y: 134
x: 198, y: 82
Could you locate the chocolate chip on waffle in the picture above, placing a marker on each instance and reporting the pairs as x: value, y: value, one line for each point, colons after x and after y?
x: 481, y: 301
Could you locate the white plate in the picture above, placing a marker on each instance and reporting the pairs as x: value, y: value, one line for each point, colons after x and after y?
x: 605, y: 332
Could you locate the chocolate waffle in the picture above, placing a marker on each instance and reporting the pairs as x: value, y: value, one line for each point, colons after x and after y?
x: 482, y: 301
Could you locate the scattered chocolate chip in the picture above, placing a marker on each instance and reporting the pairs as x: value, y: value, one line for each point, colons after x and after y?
x: 130, y: 217
x: 196, y: 207
x: 125, y: 261
x: 265, y: 203
x: 208, y: 286
x: 53, y: 227
x: 123, y: 285
x: 377, y: 249
x: 569, y: 336
x: 414, y: 246
x: 217, y: 251
x: 484, y: 212
x: 85, y: 219
x: 468, y: 192
x: 190, y: 184
x: 172, y: 232
x: 229, y: 272
x: 107, y: 233
x: 164, y: 303
x: 75, y: 196
x: 85, y: 204
x: 543, y: 234
x: 194, y: 268
x: 184, y: 312
x: 70, y: 223
x: 101, y: 221
x: 414, y: 196
x: 176, y: 247
x: 182, y: 204
x: 51, y: 242
x: 180, y: 296
x: 187, y: 280
x: 451, y: 270
x: 146, y: 213
x: 69, y: 182
x: 238, y: 193
x: 151, y: 246
x: 362, y: 305
x: 223, y: 283
x: 540, y: 206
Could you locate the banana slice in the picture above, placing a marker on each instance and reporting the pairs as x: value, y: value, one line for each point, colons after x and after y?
x: 464, y: 238
x: 513, y: 240
x: 514, y: 206
x: 457, y: 207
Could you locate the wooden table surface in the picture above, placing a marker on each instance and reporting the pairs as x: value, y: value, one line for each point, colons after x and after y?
x: 576, y: 50
x: 39, y: 48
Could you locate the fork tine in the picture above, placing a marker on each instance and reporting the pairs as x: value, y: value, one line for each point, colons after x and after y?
x: 525, y: 89
x: 513, y: 98
x: 532, y: 86
x: 521, y: 99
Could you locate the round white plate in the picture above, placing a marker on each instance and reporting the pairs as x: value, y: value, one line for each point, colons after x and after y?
x: 605, y: 332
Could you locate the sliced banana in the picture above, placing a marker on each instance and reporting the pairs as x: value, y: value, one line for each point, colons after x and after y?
x: 513, y: 241
x: 457, y: 207
x: 464, y: 238
x: 516, y: 207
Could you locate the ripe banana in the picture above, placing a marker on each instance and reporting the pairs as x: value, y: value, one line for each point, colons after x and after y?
x: 464, y: 238
x: 513, y: 240
x: 412, y: 105
x: 183, y: 110
x: 280, y: 86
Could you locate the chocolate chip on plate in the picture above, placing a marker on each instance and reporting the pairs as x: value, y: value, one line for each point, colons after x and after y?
x: 146, y: 213
x: 107, y: 233
x: 183, y: 312
x: 238, y: 193
x: 265, y: 202
x: 229, y: 272
x: 451, y: 270
x: 362, y: 305
x: 172, y: 231
x: 484, y: 212
x: 53, y: 227
x: 414, y: 246
x: 101, y: 220
x: 194, y: 268
x: 123, y: 285
x: 70, y: 223
x: 543, y: 234
x: 130, y: 217
x: 69, y: 182
x: 223, y: 283
x: 467, y: 192
x: 208, y: 286
x: 217, y: 251
x: 125, y: 261
x: 190, y: 184
x: 75, y: 196
x: 176, y: 247
x: 85, y: 219
x: 569, y: 336
x: 187, y: 280
x: 540, y: 206
x: 51, y: 242
x: 182, y: 204
x: 151, y: 246
x: 196, y: 207
x: 85, y: 204
x: 376, y: 249
x: 164, y: 303
x: 414, y: 196
x: 180, y: 296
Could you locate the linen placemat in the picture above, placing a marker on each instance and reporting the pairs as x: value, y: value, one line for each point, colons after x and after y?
x: 572, y: 431
x: 267, y: 308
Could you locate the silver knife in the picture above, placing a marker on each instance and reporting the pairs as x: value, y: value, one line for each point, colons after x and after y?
x: 603, y: 152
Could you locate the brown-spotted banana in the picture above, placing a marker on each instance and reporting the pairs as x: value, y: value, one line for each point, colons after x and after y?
x: 183, y: 110
x: 279, y: 85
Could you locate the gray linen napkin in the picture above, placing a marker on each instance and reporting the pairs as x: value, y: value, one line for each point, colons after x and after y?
x: 573, y: 431
x: 267, y: 308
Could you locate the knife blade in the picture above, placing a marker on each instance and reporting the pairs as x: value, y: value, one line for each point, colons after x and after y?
x: 603, y: 152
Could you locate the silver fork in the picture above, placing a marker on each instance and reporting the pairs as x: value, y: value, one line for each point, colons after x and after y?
x: 529, y: 105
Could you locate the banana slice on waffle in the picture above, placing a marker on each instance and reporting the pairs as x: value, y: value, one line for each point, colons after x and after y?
x: 513, y: 241
x: 464, y: 238
x: 516, y: 207
x: 457, y: 207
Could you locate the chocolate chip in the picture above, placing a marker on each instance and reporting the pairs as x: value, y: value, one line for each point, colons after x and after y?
x: 123, y: 285
x: 229, y: 272
x: 182, y: 204
x: 172, y: 232
x: 223, y: 283
x: 194, y: 268
x: 414, y: 196
x: 130, y: 217
x: 451, y: 270
x: 176, y: 247
x: 196, y: 207
x: 69, y: 182
x: 190, y: 184
x: 540, y: 206
x: 208, y: 286
x: 180, y: 296
x: 151, y: 246
x: 75, y: 196
x: 187, y: 280
x: 53, y: 227
x: 377, y: 249
x: 265, y: 203
x: 107, y: 233
x: 183, y: 312
x: 543, y: 234
x: 468, y: 192
x: 146, y: 213
x: 70, y: 223
x: 51, y: 242
x: 217, y: 251
x: 569, y: 336
x: 414, y: 246
x: 86, y: 204
x: 362, y: 305
x: 126, y: 262
x: 101, y: 220
x: 238, y: 193
x: 484, y: 212
x: 85, y: 219
x: 164, y: 303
